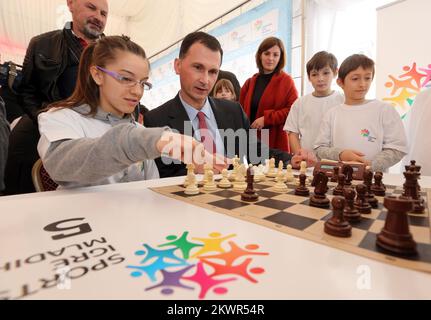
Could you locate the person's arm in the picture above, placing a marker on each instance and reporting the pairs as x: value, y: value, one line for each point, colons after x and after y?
x: 386, y: 159
x: 295, y: 144
x: 31, y: 101
x: 89, y: 160
x: 276, y: 117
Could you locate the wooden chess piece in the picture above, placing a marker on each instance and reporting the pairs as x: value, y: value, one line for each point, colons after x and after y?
x: 271, y: 171
x: 378, y: 188
x: 395, y: 235
x: 289, y: 177
x: 350, y: 212
x: 280, y: 186
x: 249, y: 194
x: 224, y: 182
x: 210, y: 184
x: 335, y: 174
x: 190, y: 170
x: 302, y: 190
x: 413, y: 167
x: 319, y: 199
x: 369, y: 195
x: 337, y: 226
x: 339, y: 189
x: 303, y: 168
x: 411, y: 191
x: 347, y: 170
x: 239, y: 184
x: 192, y: 187
x: 361, y: 203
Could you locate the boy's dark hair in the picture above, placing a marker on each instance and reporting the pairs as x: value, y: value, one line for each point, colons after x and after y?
x: 320, y: 60
x: 354, y: 62
x: 201, y: 37
x: 267, y: 44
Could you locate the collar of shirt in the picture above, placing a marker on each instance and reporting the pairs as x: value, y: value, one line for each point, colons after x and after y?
x: 69, y: 25
x: 210, y: 120
x: 104, y: 116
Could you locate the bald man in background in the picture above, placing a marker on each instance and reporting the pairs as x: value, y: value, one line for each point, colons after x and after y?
x: 49, y: 74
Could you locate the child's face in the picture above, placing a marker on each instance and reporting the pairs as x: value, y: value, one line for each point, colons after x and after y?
x: 224, y: 93
x: 121, y: 97
x: 356, y: 85
x: 321, y: 80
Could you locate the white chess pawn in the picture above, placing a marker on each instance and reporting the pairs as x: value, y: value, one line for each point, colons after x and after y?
x: 224, y: 183
x: 261, y: 172
x: 190, y: 169
x: 289, y: 174
x: 256, y: 176
x: 239, y: 184
x: 271, y: 171
x: 303, y: 168
x: 210, y: 184
x: 192, y: 187
x: 280, y: 186
x: 235, y: 163
x: 207, y: 168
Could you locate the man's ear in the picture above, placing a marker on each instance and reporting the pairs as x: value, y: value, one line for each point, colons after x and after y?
x: 340, y: 83
x: 177, y: 66
x: 70, y: 5
x: 96, y: 75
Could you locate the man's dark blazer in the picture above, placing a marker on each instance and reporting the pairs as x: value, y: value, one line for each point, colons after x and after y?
x: 228, y: 115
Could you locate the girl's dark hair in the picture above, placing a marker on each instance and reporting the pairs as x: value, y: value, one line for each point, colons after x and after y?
x: 267, y: 44
x: 99, y: 53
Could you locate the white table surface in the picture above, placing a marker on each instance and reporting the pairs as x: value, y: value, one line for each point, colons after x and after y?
x: 128, y: 215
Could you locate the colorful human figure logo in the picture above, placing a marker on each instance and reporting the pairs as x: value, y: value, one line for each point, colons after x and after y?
x: 206, y: 265
x: 404, y: 88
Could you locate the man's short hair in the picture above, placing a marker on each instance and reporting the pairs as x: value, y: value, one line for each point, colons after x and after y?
x: 201, y: 37
x: 320, y: 60
x: 267, y: 44
x: 354, y: 62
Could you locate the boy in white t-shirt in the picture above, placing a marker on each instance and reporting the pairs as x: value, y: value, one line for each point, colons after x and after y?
x: 367, y: 131
x: 305, y: 116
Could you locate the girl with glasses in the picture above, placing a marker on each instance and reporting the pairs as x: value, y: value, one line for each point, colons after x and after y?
x: 91, y: 138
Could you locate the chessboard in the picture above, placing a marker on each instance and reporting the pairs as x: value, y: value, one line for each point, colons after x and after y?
x: 293, y: 215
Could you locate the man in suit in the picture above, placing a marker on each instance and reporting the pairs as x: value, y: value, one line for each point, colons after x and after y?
x: 221, y: 125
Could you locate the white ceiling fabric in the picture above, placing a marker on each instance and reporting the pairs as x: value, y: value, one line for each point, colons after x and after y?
x: 153, y: 24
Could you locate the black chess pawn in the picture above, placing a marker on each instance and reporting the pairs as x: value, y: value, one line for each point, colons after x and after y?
x: 347, y: 170
x: 378, y: 188
x: 368, y: 181
x: 411, y: 191
x: 361, y: 203
x: 319, y: 199
x: 395, y: 235
x: 249, y: 194
x: 339, y: 189
x: 335, y: 174
x: 350, y: 212
x: 302, y: 190
x: 337, y: 226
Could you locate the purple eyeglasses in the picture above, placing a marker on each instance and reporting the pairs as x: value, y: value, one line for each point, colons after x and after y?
x: 126, y: 81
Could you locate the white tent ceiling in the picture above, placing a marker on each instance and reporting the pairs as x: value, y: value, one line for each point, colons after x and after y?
x: 154, y: 24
